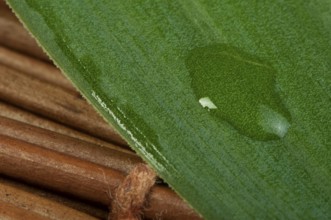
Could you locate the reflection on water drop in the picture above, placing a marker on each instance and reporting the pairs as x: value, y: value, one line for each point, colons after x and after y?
x: 273, y: 122
x: 206, y: 102
x: 239, y: 88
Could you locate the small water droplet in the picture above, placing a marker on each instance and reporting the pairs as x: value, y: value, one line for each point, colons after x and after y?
x: 239, y: 88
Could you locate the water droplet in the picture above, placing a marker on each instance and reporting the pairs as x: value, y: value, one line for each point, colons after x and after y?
x: 239, y: 88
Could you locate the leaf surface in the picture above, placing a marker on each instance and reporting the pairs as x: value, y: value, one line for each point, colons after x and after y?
x: 230, y: 101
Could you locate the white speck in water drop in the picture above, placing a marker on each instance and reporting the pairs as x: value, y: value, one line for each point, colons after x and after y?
x: 206, y: 102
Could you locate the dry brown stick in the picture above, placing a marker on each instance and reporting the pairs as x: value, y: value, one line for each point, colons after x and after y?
x: 9, y: 111
x: 57, y: 171
x: 11, y: 212
x: 34, y: 67
x: 39, y: 205
x: 5, y: 11
x: 13, y: 35
x: 171, y: 206
x: 115, y: 158
x: 95, y: 210
x: 3, y: 6
x: 81, y: 178
x: 55, y: 103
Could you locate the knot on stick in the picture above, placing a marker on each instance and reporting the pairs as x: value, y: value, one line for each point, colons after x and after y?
x: 130, y: 196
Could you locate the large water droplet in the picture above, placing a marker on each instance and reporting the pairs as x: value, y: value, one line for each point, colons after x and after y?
x: 239, y: 88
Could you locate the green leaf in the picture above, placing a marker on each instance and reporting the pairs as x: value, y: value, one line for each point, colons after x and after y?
x: 230, y: 101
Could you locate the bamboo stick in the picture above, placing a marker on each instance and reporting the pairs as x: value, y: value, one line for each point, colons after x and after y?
x: 11, y: 112
x: 118, y: 159
x: 13, y: 35
x: 92, y: 209
x: 54, y: 103
x: 38, y: 205
x: 57, y: 171
x: 35, y: 68
x: 81, y: 178
x: 3, y: 5
x: 7, y: 12
x: 11, y: 212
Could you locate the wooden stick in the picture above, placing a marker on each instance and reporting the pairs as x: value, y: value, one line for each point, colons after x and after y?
x: 57, y: 171
x: 35, y: 68
x: 115, y: 158
x: 38, y: 205
x: 92, y: 209
x: 5, y: 11
x: 11, y: 212
x: 60, y: 143
x: 54, y: 103
x: 9, y: 111
x: 81, y: 178
x: 13, y: 35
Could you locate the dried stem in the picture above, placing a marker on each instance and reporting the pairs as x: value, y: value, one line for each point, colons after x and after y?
x: 38, y: 205
x: 14, y: 36
x: 81, y: 178
x: 55, y: 103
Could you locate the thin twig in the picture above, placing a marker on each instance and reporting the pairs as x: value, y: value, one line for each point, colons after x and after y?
x: 115, y: 158
x: 17, y: 114
x: 39, y: 205
x: 91, y: 209
x: 81, y: 178
x: 54, y: 103
x: 14, y: 35
x: 35, y: 68
x: 10, y: 212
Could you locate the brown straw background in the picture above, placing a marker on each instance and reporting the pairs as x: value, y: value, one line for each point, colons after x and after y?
x: 58, y: 158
